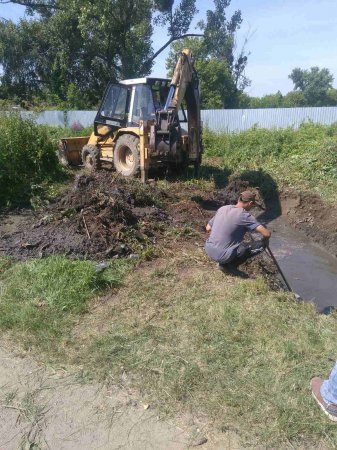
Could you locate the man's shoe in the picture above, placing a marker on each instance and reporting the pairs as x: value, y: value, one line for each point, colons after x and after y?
x: 328, y: 408
x: 231, y: 269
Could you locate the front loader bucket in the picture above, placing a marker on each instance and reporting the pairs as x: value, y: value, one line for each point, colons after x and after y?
x: 70, y: 150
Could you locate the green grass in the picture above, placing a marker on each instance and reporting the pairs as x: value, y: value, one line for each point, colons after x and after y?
x: 305, y: 158
x: 56, y: 133
x: 186, y: 336
x: 235, y: 351
x: 40, y: 299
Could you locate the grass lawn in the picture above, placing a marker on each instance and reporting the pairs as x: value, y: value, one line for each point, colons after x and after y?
x: 188, y: 337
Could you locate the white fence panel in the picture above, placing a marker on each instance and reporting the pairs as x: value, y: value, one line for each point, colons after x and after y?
x: 219, y: 120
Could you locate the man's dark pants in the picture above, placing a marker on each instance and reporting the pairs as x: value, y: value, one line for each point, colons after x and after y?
x: 247, y: 250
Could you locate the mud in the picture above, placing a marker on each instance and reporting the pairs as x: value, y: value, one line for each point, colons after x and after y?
x: 312, y: 216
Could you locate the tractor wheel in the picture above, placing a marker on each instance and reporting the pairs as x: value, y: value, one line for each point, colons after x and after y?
x: 91, y: 157
x: 126, y: 155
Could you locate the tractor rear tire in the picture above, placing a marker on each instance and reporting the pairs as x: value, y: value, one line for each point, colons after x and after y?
x: 91, y: 157
x: 126, y: 155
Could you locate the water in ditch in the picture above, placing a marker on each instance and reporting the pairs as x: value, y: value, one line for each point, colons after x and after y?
x: 310, y: 270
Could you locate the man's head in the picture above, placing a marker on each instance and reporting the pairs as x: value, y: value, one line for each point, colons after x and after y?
x: 246, y: 200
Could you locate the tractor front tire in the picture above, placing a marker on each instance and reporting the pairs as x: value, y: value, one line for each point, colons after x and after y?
x: 91, y: 157
x: 126, y: 155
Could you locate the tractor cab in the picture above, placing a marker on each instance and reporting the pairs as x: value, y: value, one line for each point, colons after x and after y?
x: 125, y: 104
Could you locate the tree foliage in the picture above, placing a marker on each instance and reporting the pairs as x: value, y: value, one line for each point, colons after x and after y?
x: 68, y: 51
x: 311, y: 88
x: 314, y: 84
x: 220, y: 39
x: 178, y: 20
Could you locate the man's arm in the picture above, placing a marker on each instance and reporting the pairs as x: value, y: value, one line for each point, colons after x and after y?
x: 264, y: 231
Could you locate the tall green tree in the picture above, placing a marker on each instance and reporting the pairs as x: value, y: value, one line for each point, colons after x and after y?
x: 84, y: 43
x: 314, y: 84
x: 220, y: 40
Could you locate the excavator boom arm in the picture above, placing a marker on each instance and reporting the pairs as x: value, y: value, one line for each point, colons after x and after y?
x: 182, y: 76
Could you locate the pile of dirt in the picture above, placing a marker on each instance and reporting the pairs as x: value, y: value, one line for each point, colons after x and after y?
x: 99, y: 217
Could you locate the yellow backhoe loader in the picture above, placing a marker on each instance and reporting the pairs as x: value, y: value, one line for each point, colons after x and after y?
x: 140, y: 125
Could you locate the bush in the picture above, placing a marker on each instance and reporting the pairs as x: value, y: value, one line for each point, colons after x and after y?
x: 27, y: 159
x: 55, y: 133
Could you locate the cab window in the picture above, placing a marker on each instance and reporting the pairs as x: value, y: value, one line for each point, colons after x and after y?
x: 114, y: 104
x: 143, y: 105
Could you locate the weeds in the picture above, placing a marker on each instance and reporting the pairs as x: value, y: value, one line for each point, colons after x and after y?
x: 28, y: 160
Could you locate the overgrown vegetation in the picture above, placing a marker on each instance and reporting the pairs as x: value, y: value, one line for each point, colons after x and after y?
x: 56, y: 133
x: 188, y: 337
x: 28, y: 160
x: 39, y: 299
x: 304, y: 158
x: 29, y: 168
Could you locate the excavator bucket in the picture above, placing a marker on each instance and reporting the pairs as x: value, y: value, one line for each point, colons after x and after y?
x: 70, y: 150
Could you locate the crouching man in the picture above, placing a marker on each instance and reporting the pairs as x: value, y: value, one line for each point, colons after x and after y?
x: 227, y: 229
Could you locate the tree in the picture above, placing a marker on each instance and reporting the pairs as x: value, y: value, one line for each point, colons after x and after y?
x: 293, y: 99
x: 78, y: 42
x: 18, y: 57
x: 314, y: 84
x: 83, y: 43
x: 267, y: 101
x: 220, y: 40
x: 178, y: 19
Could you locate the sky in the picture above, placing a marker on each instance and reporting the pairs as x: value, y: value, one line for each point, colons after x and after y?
x: 284, y: 34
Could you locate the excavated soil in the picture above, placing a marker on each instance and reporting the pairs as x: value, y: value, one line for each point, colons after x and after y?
x: 104, y: 216
x: 309, y: 214
x: 99, y: 217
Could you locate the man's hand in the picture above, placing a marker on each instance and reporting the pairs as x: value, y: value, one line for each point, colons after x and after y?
x: 208, y: 227
x: 265, y: 232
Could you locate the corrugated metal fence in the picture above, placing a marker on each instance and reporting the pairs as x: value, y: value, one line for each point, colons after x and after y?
x: 219, y: 120
x: 236, y: 120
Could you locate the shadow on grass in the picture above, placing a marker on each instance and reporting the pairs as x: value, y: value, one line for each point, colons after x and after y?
x: 206, y: 172
x: 218, y: 174
x: 269, y: 192
x: 221, y: 177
